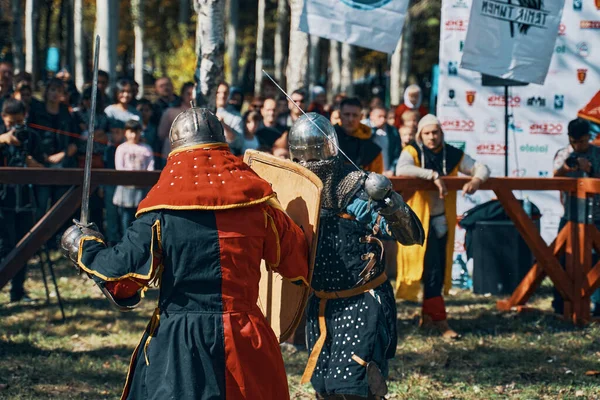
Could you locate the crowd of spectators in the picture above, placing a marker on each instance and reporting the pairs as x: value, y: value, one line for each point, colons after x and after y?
x: 131, y: 133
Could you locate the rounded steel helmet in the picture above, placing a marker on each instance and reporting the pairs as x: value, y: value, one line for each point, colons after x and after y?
x: 195, y: 126
x: 309, y: 143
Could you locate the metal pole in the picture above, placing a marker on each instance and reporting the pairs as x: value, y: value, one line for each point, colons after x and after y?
x: 506, y: 122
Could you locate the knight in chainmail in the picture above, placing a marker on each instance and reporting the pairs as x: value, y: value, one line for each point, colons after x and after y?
x: 351, y: 316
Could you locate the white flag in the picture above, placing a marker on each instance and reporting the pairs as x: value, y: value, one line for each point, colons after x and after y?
x: 374, y: 24
x: 512, y: 39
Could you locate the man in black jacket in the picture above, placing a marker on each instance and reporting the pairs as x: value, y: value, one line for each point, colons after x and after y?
x: 17, y: 203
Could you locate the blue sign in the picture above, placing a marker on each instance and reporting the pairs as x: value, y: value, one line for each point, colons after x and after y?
x: 366, y: 5
x: 53, y: 59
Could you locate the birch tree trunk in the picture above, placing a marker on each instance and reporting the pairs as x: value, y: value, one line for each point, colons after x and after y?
x: 46, y: 36
x: 396, y: 87
x: 184, y: 17
x: 260, y: 38
x: 78, y: 44
x: 281, y: 38
x: 233, y: 54
x: 137, y: 12
x: 105, y: 27
x: 62, y: 50
x: 198, y: 43
x: 211, y: 22
x: 335, y: 64
x: 400, y: 65
x: 406, y: 53
x: 298, y: 53
x: 314, y: 61
x: 30, y: 42
x: 17, y: 31
x: 70, y: 49
x: 347, y: 69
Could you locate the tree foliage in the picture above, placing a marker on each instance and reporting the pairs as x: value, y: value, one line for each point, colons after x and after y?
x: 181, y: 64
x: 170, y: 50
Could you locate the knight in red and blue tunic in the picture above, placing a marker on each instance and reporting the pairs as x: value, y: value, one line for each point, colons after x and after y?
x: 201, y: 234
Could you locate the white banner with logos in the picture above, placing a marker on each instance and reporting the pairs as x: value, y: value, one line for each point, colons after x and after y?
x: 374, y: 24
x: 512, y: 40
x: 473, y: 115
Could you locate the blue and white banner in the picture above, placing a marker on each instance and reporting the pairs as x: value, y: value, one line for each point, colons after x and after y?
x: 374, y: 24
x: 512, y: 39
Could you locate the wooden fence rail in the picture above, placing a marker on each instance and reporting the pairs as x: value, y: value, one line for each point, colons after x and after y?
x: 577, y: 239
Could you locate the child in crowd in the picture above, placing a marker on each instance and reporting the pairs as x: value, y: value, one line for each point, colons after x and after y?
x: 411, y: 119
x: 391, y: 117
x: 407, y: 135
x: 131, y: 156
x: 252, y: 121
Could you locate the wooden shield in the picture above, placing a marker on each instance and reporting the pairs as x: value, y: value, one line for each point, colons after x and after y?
x: 299, y: 193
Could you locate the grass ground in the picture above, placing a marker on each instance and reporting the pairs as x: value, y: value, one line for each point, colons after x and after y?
x: 501, y: 356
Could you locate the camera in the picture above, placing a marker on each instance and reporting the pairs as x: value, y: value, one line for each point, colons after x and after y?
x: 21, y: 133
x: 572, y: 162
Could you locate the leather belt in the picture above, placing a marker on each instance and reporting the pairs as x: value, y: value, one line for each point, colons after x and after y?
x: 323, y: 298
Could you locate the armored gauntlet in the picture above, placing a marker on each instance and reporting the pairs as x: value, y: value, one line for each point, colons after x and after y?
x: 70, y: 240
x: 402, y: 223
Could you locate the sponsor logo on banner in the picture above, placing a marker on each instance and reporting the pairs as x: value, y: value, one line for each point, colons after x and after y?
x: 561, y: 49
x: 366, y: 4
x: 459, y: 25
x: 470, y: 94
x: 520, y: 17
x: 559, y: 101
x: 460, y: 4
x: 534, y: 148
x: 577, y: 5
x: 589, y: 25
x: 543, y: 174
x: 452, y: 68
x: 451, y: 102
x: 581, y: 74
x: 583, y: 49
x: 498, y: 101
x: 459, y: 144
x: 536, y: 101
x: 562, y: 30
x: 491, y: 148
x: 458, y: 125
x: 519, y: 173
x: 461, y: 46
x: 491, y: 126
x: 546, y: 128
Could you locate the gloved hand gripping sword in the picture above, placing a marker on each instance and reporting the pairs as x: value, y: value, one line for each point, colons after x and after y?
x: 402, y: 223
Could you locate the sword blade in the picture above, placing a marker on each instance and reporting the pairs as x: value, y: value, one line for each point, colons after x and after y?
x: 87, y: 172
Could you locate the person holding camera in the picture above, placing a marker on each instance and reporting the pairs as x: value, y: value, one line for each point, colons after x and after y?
x: 17, y: 206
x: 581, y: 159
